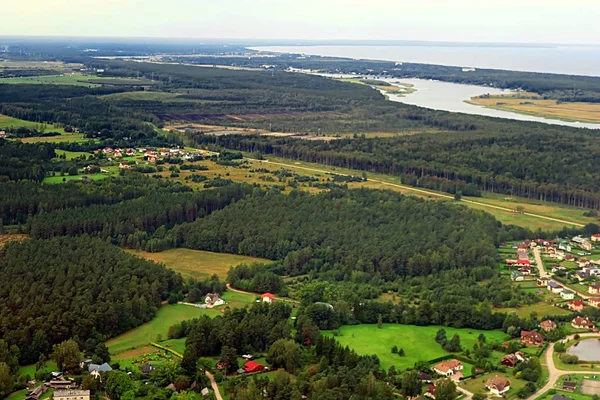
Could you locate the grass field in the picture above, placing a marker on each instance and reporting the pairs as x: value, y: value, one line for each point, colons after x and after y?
x: 541, y: 308
x: 167, y: 316
x: 584, y: 112
x: 197, y: 263
x: 30, y: 369
x: 418, y: 342
x: 70, y: 155
x: 69, y: 137
x: 75, y: 79
x: 66, y: 178
x: 10, y: 122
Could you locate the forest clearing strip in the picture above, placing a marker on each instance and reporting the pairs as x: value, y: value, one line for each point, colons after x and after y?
x: 562, y: 221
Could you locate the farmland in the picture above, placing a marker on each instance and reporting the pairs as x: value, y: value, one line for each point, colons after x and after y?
x: 418, y: 342
x: 10, y: 122
x: 197, y: 263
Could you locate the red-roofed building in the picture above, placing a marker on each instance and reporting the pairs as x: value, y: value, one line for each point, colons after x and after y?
x: 268, y: 297
x: 594, y: 302
x: 523, y: 263
x: 576, y: 305
x: 596, y: 237
x: 252, y: 366
x: 531, y: 338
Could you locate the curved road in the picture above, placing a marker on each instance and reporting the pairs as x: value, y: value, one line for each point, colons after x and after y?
x: 214, y: 385
x: 555, y: 373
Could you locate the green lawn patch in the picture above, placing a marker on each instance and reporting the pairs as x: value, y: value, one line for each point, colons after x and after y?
x: 418, y: 342
x: 10, y: 122
x: 477, y: 385
x: 67, y: 178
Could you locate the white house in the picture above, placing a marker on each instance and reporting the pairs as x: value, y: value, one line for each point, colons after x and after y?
x: 567, y: 294
x: 448, y: 368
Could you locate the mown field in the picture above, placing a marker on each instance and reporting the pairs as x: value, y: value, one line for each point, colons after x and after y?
x: 168, y: 315
x: 197, y: 263
x: 584, y: 112
x: 418, y: 342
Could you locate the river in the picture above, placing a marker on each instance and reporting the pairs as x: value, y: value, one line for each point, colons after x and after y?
x: 571, y: 60
x: 451, y: 97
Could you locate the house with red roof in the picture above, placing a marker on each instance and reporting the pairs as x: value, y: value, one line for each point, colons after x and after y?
x: 594, y: 302
x: 531, y: 338
x: 253, y: 367
x: 576, y: 305
x: 448, y: 368
x: 268, y: 298
x: 596, y: 237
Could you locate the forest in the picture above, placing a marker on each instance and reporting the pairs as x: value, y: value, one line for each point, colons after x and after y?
x: 554, y: 86
x: 543, y: 165
x: 86, y: 286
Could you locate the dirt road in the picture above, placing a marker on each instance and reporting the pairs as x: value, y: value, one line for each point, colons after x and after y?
x: 539, y: 263
x: 214, y: 385
x: 427, y: 192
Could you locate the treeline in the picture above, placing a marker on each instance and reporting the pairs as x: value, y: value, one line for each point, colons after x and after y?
x: 25, y: 199
x: 364, y: 230
x: 139, y: 223
x: 85, y: 286
x: 549, y: 165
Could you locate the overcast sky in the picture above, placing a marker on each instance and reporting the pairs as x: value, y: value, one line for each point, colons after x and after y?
x: 534, y: 21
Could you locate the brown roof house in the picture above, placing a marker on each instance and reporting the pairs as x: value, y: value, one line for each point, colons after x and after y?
x: 448, y: 368
x: 497, y: 385
x: 531, y: 338
x: 582, y: 323
x: 548, y: 325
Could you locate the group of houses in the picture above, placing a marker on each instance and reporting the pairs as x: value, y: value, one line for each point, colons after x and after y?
x: 152, y: 155
x: 452, y: 369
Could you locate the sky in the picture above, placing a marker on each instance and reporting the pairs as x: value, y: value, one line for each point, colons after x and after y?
x: 520, y: 21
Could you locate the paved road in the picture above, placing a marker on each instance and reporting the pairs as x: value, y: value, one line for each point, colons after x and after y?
x: 554, y: 372
x: 410, y: 188
x: 214, y: 385
x: 468, y: 395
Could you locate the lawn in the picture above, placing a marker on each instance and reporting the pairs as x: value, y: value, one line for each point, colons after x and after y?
x: 542, y: 308
x: 69, y: 137
x: 70, y: 155
x: 477, y: 385
x: 197, y: 263
x: 418, y: 342
x: 30, y: 369
x: 169, y: 315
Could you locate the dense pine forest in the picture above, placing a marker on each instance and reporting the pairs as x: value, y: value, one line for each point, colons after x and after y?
x: 544, y: 165
x: 54, y: 289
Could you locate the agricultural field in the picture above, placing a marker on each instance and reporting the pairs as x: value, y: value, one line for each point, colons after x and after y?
x: 168, y: 315
x: 197, y: 264
x: 418, y: 342
x: 531, y: 104
x: 66, y: 138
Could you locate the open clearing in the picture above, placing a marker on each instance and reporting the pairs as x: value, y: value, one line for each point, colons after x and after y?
x: 197, y: 264
x: 584, y: 112
x: 418, y: 342
x: 168, y: 315
x: 74, y: 79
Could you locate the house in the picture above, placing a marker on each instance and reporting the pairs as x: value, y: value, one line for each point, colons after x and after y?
x: 567, y: 294
x: 509, y: 360
x: 267, y: 298
x: 596, y: 237
x: 531, y: 338
x: 525, y: 270
x: 523, y: 263
x: 214, y: 299
x: 124, y: 165
x: 426, y: 378
x: 594, y: 288
x: 582, y: 323
x: 564, y: 246
x: 522, y: 255
x: 582, y: 276
x: 543, y: 281
x: 62, y: 384
x: 448, y: 368
x: 560, y: 397
x: 130, y: 152
x: 36, y: 393
x: 548, y: 325
x: 205, y: 392
x: 569, y: 386
x: 83, y: 363
x: 576, y: 305
x: 148, y: 369
x: 222, y: 365
x: 430, y: 391
x: 72, y: 395
x: 594, y: 302
x: 554, y: 287
x: 252, y: 367
x: 95, y: 369
x: 497, y: 385
x: 582, y: 263
x: 517, y: 276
